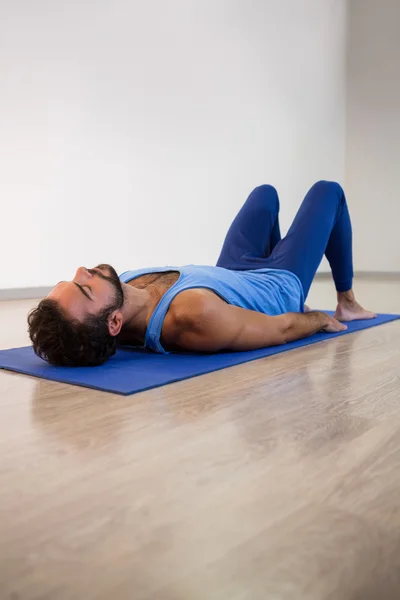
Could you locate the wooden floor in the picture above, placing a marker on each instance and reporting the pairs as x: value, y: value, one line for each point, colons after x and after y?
x: 277, y: 479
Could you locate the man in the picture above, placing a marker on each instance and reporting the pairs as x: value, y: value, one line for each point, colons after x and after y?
x: 253, y: 298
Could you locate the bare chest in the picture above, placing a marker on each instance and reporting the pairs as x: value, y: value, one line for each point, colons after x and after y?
x: 157, y: 284
x: 160, y: 282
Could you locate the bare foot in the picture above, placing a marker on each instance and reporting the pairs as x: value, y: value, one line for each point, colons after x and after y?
x: 348, y: 309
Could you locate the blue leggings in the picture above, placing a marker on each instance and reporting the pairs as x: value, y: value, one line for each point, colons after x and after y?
x: 321, y: 226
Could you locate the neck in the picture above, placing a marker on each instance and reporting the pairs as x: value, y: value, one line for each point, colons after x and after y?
x: 138, y: 306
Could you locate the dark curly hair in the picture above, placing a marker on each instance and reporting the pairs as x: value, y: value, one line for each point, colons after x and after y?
x: 62, y: 341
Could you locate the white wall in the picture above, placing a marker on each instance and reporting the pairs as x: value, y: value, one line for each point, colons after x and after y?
x: 131, y: 132
x: 373, y: 132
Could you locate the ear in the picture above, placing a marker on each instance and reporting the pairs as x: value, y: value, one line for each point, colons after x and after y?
x: 115, y: 323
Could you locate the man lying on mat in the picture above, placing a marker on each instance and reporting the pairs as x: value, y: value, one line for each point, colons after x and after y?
x: 253, y: 298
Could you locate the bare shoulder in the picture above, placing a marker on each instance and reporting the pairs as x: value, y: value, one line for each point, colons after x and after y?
x: 187, y: 309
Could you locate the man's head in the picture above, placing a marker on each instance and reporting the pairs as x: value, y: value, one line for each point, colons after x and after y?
x: 79, y: 321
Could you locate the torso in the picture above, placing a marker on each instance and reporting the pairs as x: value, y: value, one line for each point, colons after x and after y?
x: 179, y: 298
x: 160, y: 283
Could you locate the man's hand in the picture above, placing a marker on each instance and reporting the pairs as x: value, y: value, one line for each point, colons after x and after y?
x: 333, y: 325
x: 300, y: 325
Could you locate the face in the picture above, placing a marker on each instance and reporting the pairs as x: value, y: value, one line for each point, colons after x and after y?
x: 90, y: 292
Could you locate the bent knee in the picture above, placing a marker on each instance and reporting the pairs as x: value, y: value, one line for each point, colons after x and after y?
x: 267, y: 187
x: 267, y: 193
x: 328, y: 186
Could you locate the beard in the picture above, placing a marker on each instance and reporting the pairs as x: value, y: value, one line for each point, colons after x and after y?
x: 108, y: 273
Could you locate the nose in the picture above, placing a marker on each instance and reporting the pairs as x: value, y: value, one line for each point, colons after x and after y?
x: 82, y: 275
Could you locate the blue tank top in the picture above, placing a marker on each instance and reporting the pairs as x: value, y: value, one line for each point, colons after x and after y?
x: 269, y: 291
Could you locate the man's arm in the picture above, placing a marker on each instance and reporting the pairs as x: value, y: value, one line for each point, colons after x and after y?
x: 206, y: 323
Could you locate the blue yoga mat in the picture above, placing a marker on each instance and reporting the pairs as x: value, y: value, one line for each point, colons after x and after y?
x: 131, y: 371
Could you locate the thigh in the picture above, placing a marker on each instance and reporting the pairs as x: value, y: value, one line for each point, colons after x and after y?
x: 254, y: 232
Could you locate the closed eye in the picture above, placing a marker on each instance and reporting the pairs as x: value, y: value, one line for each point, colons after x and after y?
x: 84, y: 292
